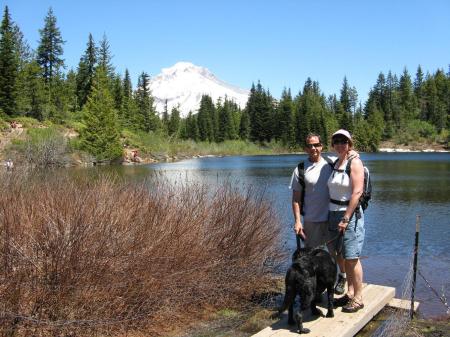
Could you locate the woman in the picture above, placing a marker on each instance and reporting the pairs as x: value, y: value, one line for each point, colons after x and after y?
x: 345, y: 186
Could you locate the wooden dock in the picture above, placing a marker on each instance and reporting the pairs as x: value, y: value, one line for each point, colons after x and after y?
x: 342, y: 324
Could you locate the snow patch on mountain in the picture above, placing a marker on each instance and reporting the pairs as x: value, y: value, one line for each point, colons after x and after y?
x: 184, y: 84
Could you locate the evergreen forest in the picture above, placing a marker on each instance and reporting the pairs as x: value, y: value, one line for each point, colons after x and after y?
x: 101, y: 104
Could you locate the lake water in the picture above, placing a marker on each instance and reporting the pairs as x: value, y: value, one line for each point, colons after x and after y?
x: 404, y: 185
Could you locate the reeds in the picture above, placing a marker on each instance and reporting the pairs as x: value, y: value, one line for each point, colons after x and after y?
x: 85, y: 257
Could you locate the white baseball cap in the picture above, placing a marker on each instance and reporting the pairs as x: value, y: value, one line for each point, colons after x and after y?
x: 342, y: 132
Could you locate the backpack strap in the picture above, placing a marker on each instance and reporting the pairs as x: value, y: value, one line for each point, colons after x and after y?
x: 348, y: 168
x: 301, y: 180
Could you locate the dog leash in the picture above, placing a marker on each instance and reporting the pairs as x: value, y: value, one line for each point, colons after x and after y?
x: 338, y: 245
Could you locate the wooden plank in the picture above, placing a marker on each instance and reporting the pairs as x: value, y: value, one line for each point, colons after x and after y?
x: 342, y: 324
x: 398, y: 303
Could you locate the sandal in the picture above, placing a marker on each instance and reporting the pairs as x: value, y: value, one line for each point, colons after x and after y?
x: 340, y: 302
x: 353, y: 306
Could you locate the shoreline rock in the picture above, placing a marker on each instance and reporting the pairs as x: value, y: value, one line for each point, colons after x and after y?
x: 388, y: 149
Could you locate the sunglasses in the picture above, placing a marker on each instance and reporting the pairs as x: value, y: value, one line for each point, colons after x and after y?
x: 316, y: 145
x: 342, y: 141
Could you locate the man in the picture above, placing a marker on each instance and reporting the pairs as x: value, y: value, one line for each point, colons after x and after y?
x: 313, y: 204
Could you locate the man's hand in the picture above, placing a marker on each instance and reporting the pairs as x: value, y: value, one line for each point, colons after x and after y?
x: 353, y: 154
x: 298, y: 229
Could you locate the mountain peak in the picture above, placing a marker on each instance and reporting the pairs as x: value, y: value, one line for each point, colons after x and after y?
x: 183, y: 85
x: 181, y: 67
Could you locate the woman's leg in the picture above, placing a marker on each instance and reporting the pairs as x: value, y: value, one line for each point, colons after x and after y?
x: 354, y: 271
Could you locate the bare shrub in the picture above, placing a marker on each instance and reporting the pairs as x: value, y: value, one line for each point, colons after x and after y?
x: 80, y: 257
x: 45, y: 147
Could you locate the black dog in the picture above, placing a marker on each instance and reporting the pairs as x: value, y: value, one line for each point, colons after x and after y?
x: 312, y: 271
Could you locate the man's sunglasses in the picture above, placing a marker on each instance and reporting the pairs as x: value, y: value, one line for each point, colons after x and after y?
x: 316, y: 145
x: 342, y: 141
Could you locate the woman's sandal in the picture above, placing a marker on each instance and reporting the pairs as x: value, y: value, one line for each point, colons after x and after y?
x: 352, y: 306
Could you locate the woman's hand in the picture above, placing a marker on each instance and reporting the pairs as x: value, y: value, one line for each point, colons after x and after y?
x: 342, y: 226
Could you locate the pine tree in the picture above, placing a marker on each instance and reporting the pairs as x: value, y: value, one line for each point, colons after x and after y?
x: 345, y: 96
x: 105, y: 57
x: 9, y: 66
x: 23, y: 49
x: 192, y: 127
x: 419, y: 92
x: 375, y: 120
x: 379, y: 96
x: 101, y: 136
x: 204, y: 119
x: 165, y: 116
x: 226, y: 129
x: 174, y: 122
x: 441, y: 112
x: 407, y: 100
x: 147, y: 119
x: 117, y: 93
x: 244, y: 126
x: 86, y: 72
x: 128, y: 110
x: 286, y: 119
x: 392, y: 101
x: 71, y: 89
x: 32, y: 91
x: 346, y: 101
x: 50, y: 49
x: 260, y: 110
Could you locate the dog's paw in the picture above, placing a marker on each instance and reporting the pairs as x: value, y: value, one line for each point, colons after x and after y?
x: 330, y: 313
x: 304, y: 330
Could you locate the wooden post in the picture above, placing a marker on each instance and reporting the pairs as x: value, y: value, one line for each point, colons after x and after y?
x: 416, y: 249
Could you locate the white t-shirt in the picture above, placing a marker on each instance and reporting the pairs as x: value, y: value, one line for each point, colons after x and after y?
x: 317, y: 197
x: 340, y: 187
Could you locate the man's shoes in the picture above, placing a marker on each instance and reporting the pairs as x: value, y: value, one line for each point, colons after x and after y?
x: 340, y: 302
x: 339, y: 289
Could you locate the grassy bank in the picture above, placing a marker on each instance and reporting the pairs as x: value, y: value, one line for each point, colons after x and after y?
x: 105, y: 257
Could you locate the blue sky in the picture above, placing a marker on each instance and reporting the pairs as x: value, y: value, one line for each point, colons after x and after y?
x: 280, y: 43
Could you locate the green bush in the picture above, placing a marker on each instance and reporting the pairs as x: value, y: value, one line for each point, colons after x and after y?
x: 416, y: 131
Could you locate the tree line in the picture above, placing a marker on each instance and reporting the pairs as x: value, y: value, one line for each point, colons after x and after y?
x: 101, y: 102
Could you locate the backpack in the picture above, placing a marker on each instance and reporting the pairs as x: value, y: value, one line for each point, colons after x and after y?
x: 301, y: 180
x: 367, y: 189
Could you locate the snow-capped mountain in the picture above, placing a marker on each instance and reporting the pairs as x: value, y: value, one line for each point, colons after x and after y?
x: 184, y: 84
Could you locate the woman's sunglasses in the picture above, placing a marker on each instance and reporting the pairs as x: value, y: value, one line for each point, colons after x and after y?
x: 341, y: 141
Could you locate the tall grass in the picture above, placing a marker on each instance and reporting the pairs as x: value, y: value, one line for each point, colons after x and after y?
x: 100, y: 257
x: 158, y: 144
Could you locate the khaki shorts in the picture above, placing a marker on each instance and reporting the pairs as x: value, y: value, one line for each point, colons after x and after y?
x: 317, y: 233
